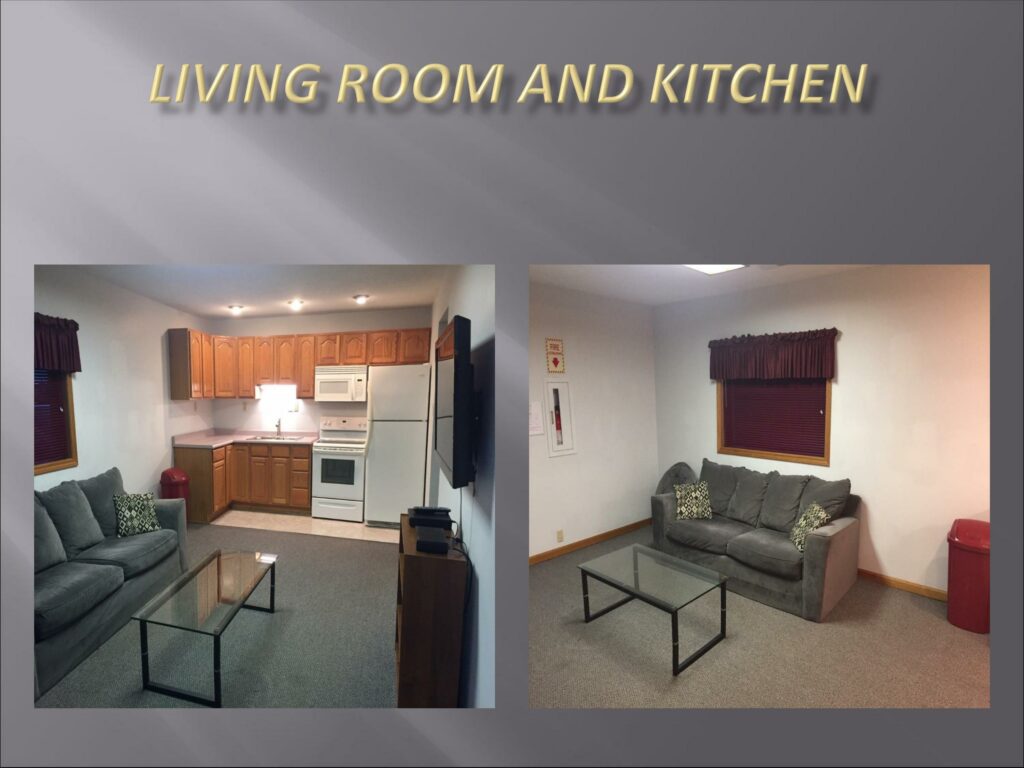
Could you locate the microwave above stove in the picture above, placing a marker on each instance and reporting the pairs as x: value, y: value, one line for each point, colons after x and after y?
x: 340, y: 383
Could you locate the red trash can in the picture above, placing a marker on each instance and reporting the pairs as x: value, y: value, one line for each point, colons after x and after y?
x: 174, y: 485
x: 967, y: 604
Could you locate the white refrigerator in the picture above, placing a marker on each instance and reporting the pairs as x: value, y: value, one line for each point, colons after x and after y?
x: 396, y: 450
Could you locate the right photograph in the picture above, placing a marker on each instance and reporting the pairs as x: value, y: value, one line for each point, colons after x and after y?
x: 759, y: 486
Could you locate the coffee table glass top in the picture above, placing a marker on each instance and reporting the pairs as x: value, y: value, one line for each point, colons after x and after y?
x: 653, y: 576
x: 207, y: 597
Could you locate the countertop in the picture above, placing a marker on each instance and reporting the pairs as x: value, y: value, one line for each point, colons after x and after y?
x: 216, y: 438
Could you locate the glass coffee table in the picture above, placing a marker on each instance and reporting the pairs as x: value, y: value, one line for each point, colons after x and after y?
x: 205, y: 600
x: 657, y: 579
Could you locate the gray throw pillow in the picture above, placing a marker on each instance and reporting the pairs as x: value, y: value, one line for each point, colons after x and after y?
x: 692, y: 502
x: 782, y: 502
x: 811, y: 519
x: 721, y: 480
x: 72, y: 516
x: 100, y: 491
x: 136, y: 513
x: 48, y: 549
x: 832, y: 495
x: 746, y: 501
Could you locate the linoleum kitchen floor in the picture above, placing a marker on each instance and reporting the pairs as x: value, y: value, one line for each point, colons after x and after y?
x: 341, y: 529
x: 330, y: 643
x: 880, y: 647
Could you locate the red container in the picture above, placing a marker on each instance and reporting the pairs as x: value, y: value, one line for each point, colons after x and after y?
x: 967, y: 604
x: 174, y: 485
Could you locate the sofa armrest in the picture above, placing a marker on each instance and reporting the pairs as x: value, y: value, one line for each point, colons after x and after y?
x: 171, y: 515
x: 663, y: 512
x: 830, y: 565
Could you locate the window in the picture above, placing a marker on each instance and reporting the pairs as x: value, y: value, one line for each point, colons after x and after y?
x: 55, y: 446
x: 780, y: 419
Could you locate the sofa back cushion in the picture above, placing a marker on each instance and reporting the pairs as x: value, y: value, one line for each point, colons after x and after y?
x: 832, y: 495
x: 747, y: 499
x: 72, y: 516
x: 721, y: 480
x: 100, y: 491
x: 48, y: 549
x: 782, y: 502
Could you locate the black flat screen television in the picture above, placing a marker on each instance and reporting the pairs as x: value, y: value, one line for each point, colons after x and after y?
x: 453, y: 403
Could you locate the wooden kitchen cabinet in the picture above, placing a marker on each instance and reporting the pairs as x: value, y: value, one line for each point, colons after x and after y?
x: 305, y: 365
x: 279, y: 475
x: 208, y: 363
x: 284, y: 360
x: 225, y: 366
x: 238, y: 472
x: 414, y: 346
x: 298, y: 482
x: 353, y: 349
x: 185, y: 352
x: 246, y: 356
x: 264, y: 371
x: 328, y: 349
x: 382, y: 347
x: 220, y: 481
x: 259, y: 474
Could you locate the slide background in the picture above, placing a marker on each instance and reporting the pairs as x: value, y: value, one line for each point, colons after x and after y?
x: 928, y: 170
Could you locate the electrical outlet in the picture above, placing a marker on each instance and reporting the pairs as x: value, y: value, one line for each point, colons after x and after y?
x: 559, y: 535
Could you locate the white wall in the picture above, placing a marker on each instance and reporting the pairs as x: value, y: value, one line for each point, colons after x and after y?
x: 123, y: 414
x: 609, y: 355
x: 469, y: 291
x: 910, y: 402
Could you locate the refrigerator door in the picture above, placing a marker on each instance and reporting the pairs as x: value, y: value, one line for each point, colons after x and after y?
x: 399, y: 392
x: 395, y: 469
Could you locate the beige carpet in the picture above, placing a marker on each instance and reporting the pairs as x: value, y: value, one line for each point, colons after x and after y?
x: 880, y: 647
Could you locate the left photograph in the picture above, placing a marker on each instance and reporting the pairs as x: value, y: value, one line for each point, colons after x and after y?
x: 264, y: 486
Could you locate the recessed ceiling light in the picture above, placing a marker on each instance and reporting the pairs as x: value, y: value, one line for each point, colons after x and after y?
x: 714, y: 269
x: 295, y: 304
x: 236, y: 309
x: 361, y: 298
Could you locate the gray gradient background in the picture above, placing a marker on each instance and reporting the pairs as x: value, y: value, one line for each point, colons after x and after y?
x: 929, y: 170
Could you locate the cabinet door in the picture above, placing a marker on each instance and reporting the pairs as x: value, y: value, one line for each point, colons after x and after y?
x: 208, y: 388
x: 238, y: 473
x: 220, y: 486
x: 298, y: 486
x: 305, y: 365
x: 195, y: 363
x: 414, y: 346
x: 246, y: 355
x: 382, y: 347
x: 225, y: 366
x: 259, y: 479
x: 279, y: 480
x: 284, y: 359
x: 328, y: 349
x: 263, y: 367
x: 353, y: 349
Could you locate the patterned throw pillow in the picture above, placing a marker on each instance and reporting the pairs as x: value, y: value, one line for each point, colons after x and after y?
x: 693, y: 501
x: 812, y: 518
x: 136, y: 513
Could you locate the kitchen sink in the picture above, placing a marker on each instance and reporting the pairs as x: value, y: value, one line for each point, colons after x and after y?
x: 272, y: 438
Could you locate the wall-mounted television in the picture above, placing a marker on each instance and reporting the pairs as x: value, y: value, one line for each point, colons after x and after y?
x: 453, y: 403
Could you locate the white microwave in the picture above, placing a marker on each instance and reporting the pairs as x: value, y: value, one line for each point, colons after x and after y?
x: 340, y: 383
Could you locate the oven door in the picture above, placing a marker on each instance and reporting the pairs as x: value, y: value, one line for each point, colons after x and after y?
x: 338, y: 475
x: 335, y: 388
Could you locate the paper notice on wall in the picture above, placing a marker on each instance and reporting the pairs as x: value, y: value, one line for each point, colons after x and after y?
x: 555, y: 352
x: 536, y: 418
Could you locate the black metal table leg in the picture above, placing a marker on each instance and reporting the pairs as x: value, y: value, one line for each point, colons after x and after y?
x: 586, y: 597
x: 144, y: 642
x: 676, y: 669
x: 722, y: 588
x: 273, y: 583
x: 216, y: 671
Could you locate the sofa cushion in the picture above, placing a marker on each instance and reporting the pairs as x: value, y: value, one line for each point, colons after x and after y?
x: 132, y: 554
x: 746, y: 501
x: 72, y: 516
x: 721, y: 480
x: 711, y: 535
x: 769, y: 551
x: 66, y: 592
x: 830, y: 494
x: 136, y: 513
x: 100, y: 491
x: 782, y: 502
x: 811, y: 519
x: 48, y: 549
x: 692, y: 502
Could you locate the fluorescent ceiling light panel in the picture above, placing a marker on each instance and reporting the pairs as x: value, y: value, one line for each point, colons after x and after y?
x: 714, y: 269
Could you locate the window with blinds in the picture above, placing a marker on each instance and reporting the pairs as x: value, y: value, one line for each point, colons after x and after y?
x: 782, y: 419
x: 54, y: 422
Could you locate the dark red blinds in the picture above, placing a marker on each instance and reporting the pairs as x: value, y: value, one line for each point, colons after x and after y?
x: 779, y: 416
x: 803, y: 355
x: 57, y: 344
x: 51, y: 417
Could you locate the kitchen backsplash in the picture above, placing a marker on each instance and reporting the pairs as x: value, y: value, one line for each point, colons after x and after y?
x: 261, y: 414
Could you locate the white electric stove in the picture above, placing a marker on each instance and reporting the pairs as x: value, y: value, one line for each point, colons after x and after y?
x: 339, y: 468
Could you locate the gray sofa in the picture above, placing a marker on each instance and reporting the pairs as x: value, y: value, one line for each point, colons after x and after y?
x: 89, y: 582
x: 747, y: 537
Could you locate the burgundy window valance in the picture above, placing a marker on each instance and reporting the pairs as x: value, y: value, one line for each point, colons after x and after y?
x: 57, y: 344
x: 803, y: 355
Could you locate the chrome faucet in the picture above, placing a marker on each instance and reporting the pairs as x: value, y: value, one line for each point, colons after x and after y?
x: 278, y: 426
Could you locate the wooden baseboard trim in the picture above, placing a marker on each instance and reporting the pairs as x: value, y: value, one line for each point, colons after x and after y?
x: 906, y: 586
x: 553, y: 553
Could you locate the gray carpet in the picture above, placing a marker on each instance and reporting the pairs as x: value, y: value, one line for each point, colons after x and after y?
x: 330, y: 642
x: 879, y: 648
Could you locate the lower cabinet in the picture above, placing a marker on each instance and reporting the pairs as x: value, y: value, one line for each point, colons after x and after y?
x: 279, y: 466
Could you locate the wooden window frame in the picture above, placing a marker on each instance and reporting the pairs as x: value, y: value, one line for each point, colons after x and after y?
x: 820, y: 461
x: 72, y: 460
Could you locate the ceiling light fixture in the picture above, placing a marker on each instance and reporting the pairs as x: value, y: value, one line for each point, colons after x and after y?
x: 714, y: 269
x: 361, y: 298
x: 236, y: 309
x: 295, y: 304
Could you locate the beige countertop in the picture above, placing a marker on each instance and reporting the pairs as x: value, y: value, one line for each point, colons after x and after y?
x: 216, y: 438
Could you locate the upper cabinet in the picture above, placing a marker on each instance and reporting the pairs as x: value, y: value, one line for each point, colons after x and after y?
x: 285, y: 359
x: 185, y: 353
x: 305, y: 365
x: 414, y: 346
x: 225, y: 366
x: 382, y: 347
x: 328, y: 349
x: 208, y: 363
x: 246, y: 355
x: 353, y: 349
x: 263, y: 365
